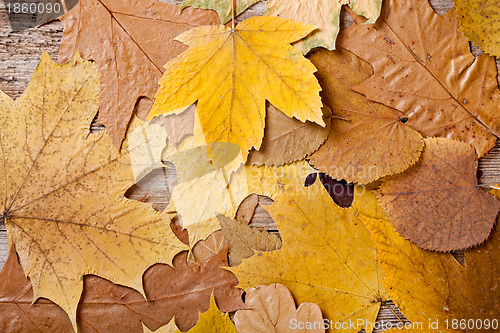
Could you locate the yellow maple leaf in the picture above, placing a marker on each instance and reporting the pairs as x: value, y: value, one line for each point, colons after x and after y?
x: 433, y: 290
x: 327, y: 258
x: 231, y: 73
x: 61, y: 189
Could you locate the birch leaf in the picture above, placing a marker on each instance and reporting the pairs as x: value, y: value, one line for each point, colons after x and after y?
x: 62, y: 190
x: 373, y: 140
x: 253, y: 63
x: 438, y: 204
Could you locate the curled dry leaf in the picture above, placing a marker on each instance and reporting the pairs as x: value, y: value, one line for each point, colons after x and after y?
x: 374, y: 141
x: 130, y: 40
x: 288, y: 140
x: 253, y: 62
x: 318, y: 262
x: 272, y: 309
x: 214, y: 321
x: 424, y: 68
x: 245, y: 240
x: 480, y: 22
x: 324, y: 14
x: 246, y: 209
x: 222, y: 7
x: 430, y: 287
x: 437, y: 204
x: 62, y: 189
x: 178, y: 291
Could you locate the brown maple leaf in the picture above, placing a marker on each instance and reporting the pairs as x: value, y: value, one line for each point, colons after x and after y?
x: 437, y: 204
x: 424, y: 68
x: 130, y: 41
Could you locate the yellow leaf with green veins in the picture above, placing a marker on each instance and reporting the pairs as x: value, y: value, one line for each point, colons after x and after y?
x: 222, y: 7
x: 231, y: 73
x: 62, y: 189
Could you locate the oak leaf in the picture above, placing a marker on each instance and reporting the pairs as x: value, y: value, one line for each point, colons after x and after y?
x: 424, y: 68
x: 437, y: 204
x: 222, y: 7
x: 178, y: 291
x: 318, y: 262
x: 130, y: 41
x: 16, y: 298
x: 373, y: 140
x: 480, y: 22
x: 288, y: 140
x: 62, y: 190
x: 214, y: 321
x: 430, y: 287
x: 272, y: 309
x: 253, y: 62
x: 245, y: 240
x: 325, y: 14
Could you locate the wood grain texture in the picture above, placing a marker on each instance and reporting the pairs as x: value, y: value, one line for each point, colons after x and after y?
x: 21, y: 51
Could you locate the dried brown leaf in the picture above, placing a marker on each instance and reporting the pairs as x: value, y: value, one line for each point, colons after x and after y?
x: 245, y: 240
x: 287, y: 140
x: 424, y: 68
x: 177, y: 291
x: 437, y: 204
x: 130, y: 41
x: 272, y: 309
x: 246, y: 209
x: 373, y: 140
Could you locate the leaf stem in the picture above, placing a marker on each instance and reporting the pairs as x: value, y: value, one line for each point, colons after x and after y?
x: 490, y: 186
x: 233, y: 8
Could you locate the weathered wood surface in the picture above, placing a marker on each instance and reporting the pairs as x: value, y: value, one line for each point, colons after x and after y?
x: 21, y: 51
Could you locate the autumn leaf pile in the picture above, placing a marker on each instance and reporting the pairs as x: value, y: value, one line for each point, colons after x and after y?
x: 395, y: 109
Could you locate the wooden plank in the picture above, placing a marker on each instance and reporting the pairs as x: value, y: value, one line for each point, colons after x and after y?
x: 20, y: 53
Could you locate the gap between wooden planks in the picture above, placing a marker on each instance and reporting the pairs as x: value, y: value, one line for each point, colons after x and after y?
x: 21, y: 51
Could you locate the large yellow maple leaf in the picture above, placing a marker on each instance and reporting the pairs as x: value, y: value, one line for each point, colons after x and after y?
x: 327, y: 258
x: 231, y: 73
x: 433, y: 290
x: 61, y: 189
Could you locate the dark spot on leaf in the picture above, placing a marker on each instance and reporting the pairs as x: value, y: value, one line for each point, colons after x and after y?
x: 403, y: 119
